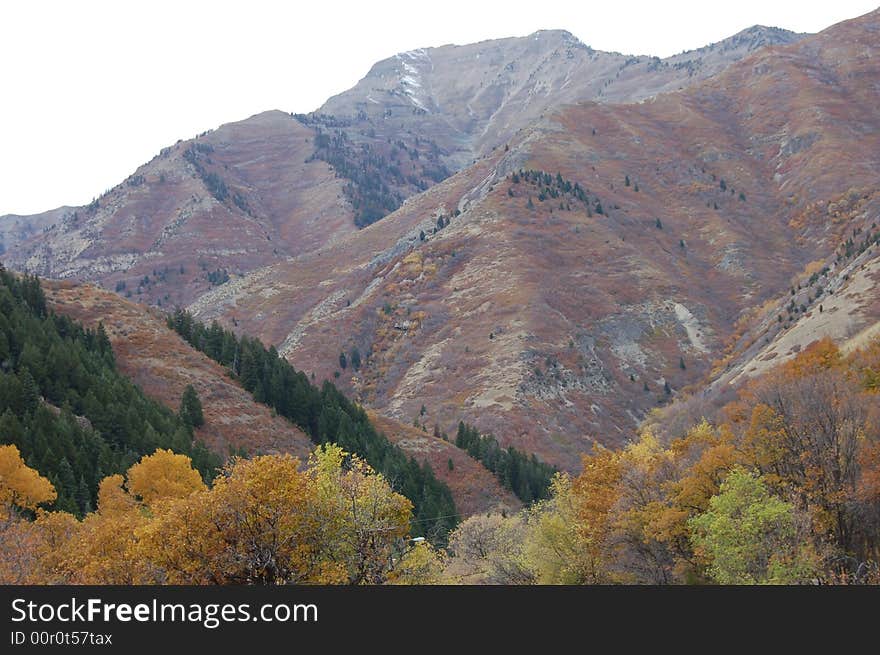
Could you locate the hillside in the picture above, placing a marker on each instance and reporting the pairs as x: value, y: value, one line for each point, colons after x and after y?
x: 476, y: 491
x: 439, y: 109
x: 515, y: 312
x: 67, y: 409
x: 552, y: 323
x: 162, y: 364
x: 553, y: 291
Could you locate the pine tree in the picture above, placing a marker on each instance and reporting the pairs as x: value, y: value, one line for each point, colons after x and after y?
x: 30, y: 393
x: 103, y: 340
x: 191, y: 408
x: 355, y: 358
x: 83, y: 496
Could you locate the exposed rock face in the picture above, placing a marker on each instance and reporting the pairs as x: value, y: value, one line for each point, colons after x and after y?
x: 470, y: 99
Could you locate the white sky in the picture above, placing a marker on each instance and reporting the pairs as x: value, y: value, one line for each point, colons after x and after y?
x: 91, y: 89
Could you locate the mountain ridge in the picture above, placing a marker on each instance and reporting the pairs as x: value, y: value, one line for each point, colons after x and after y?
x: 124, y: 228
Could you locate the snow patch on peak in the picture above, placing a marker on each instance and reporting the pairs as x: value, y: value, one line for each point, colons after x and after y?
x: 418, y: 53
x: 411, y: 78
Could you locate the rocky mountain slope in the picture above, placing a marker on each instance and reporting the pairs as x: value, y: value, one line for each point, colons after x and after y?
x: 200, y: 212
x: 270, y: 187
x: 558, y: 308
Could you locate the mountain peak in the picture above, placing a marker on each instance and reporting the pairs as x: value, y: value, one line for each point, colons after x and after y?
x: 758, y: 36
x: 553, y: 34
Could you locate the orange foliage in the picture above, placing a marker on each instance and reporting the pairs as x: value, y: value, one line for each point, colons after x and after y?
x: 822, y: 354
x: 264, y: 521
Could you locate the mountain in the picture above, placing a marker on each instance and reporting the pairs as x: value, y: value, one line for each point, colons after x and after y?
x: 580, y: 262
x: 443, y: 107
x: 538, y: 316
x: 256, y: 192
x: 16, y: 229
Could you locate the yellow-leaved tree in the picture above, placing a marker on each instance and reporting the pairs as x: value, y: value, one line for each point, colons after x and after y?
x: 256, y: 525
x: 103, y: 548
x: 362, y: 519
x: 266, y: 520
x: 21, y: 487
x: 162, y: 476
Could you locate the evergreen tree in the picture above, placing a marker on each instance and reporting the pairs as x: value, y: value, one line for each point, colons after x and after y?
x: 191, y: 408
x: 30, y: 393
x: 526, y: 476
x: 355, y: 357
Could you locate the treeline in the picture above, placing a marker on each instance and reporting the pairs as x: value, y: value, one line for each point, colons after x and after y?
x: 369, y: 173
x: 213, y: 182
x: 326, y: 415
x: 525, y: 475
x: 67, y: 409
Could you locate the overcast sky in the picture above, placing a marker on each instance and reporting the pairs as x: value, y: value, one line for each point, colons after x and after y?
x: 92, y: 89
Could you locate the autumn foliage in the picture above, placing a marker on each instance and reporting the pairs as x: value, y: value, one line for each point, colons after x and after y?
x: 783, y: 487
x: 266, y: 520
x: 786, y: 489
